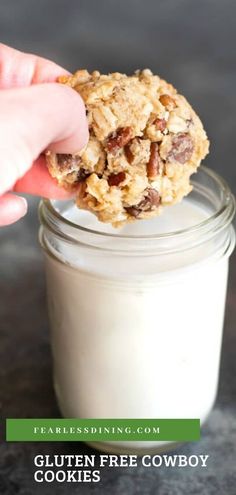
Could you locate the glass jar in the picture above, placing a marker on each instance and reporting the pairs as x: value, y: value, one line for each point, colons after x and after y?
x: 137, y: 313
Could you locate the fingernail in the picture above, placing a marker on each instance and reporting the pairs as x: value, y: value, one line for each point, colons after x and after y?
x: 24, y: 205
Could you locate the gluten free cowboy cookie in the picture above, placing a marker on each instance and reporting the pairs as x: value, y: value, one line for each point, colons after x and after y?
x: 145, y: 142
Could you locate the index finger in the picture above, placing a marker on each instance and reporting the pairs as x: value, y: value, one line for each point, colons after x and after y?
x: 18, y: 69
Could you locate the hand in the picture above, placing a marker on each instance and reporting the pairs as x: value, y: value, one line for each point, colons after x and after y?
x: 35, y: 114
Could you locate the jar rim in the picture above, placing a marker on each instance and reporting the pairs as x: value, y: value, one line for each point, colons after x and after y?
x: 215, y: 221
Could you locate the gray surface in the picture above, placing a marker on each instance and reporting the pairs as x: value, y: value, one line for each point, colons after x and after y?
x: 192, y: 44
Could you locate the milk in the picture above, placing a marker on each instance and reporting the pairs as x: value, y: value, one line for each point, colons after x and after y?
x: 136, y: 336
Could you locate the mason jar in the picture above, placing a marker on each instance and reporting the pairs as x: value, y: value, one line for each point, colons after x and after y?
x: 137, y: 313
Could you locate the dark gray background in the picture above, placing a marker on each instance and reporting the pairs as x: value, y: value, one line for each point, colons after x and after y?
x: 191, y: 44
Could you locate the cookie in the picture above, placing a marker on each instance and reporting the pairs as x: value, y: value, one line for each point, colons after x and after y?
x: 145, y: 142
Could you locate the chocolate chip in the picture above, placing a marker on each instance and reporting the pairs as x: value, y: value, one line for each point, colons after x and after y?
x: 133, y: 211
x: 66, y: 162
x: 189, y: 123
x: 82, y: 175
x: 151, y: 198
x: 116, y: 179
x: 119, y: 139
x: 182, y: 148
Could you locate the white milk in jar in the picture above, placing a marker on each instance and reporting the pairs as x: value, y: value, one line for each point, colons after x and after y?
x: 137, y: 313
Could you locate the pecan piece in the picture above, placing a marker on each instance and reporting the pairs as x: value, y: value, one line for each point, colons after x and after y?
x: 151, y: 198
x: 128, y: 154
x: 119, y: 139
x: 82, y: 190
x: 160, y: 124
x: 167, y: 101
x: 116, y: 179
x: 155, y: 162
x: 182, y: 148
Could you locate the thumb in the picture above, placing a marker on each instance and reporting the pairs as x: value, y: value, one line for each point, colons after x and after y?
x: 35, y: 118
